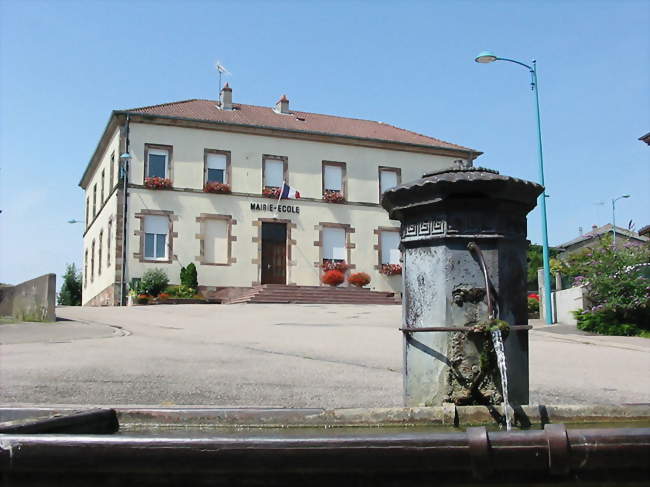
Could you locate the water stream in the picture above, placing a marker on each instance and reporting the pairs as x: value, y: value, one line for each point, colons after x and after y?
x: 501, y: 362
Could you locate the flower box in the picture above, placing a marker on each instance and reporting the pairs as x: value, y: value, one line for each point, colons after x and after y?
x: 390, y: 269
x: 271, y: 192
x: 333, y: 196
x: 215, y: 187
x: 333, y: 278
x: 157, y: 183
x: 359, y: 279
x: 332, y: 265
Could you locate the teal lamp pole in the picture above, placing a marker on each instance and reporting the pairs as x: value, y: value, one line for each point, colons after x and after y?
x: 614, y: 217
x: 489, y: 57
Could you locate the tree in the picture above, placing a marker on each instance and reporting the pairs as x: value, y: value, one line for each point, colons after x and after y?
x: 535, y: 261
x: 189, y: 277
x: 70, y: 294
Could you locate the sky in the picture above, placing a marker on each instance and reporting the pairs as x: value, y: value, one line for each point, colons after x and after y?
x: 64, y: 65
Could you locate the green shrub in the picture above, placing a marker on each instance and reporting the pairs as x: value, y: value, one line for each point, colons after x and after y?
x: 188, y: 276
x: 604, y: 322
x: 154, y: 281
x: 533, y: 306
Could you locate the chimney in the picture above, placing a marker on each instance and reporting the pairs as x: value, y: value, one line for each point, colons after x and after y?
x: 594, y: 228
x: 226, y: 97
x: 282, y: 105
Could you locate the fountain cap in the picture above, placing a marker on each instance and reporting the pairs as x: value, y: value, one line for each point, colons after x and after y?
x: 436, y: 187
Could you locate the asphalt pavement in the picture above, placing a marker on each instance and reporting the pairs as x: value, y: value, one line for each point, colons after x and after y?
x: 275, y: 355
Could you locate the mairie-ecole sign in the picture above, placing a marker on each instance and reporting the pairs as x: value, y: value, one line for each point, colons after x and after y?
x: 275, y: 208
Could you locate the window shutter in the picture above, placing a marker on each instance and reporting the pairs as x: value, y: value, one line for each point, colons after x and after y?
x: 334, y: 243
x: 333, y: 177
x: 156, y: 224
x: 390, y: 253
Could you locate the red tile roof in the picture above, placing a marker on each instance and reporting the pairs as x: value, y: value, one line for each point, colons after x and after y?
x: 251, y: 115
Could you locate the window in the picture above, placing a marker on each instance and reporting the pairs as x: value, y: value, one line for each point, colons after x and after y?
x: 108, y: 243
x: 334, y: 177
x: 92, y: 262
x: 102, y: 194
x: 157, y: 161
x: 215, y: 242
x: 94, y: 200
x: 156, y: 229
x: 389, y: 252
x: 99, y: 254
x: 217, y: 166
x: 334, y: 247
x: 86, y: 268
x: 111, y: 176
x: 274, y: 171
x: 87, y: 210
x: 388, y: 178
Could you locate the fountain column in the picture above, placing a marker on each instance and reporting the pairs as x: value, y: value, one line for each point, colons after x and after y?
x: 444, y: 285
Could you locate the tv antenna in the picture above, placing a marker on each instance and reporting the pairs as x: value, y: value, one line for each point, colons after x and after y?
x: 222, y: 70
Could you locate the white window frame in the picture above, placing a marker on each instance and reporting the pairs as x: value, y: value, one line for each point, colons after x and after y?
x: 157, y: 227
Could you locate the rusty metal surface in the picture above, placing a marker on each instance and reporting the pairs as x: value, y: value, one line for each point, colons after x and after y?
x: 458, y: 329
x: 94, y: 421
x: 457, y: 457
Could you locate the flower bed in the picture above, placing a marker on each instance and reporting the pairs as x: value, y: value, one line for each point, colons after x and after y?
x: 333, y: 196
x: 215, y: 187
x: 390, y: 269
x: 270, y: 192
x: 332, y: 265
x: 157, y: 183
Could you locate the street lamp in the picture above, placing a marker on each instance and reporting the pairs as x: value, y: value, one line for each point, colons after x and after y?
x: 614, y: 216
x: 489, y: 57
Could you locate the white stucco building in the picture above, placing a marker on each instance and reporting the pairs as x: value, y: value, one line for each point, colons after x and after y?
x: 242, y: 238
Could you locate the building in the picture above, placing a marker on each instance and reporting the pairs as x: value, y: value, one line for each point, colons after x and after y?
x: 236, y: 236
x: 591, y: 239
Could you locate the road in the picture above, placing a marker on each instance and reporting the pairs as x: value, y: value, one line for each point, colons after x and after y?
x: 275, y: 356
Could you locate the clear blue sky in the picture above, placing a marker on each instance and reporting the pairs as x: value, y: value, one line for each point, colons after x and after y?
x: 65, y: 65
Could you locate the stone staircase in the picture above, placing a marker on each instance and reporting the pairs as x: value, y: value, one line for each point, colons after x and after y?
x: 277, y: 293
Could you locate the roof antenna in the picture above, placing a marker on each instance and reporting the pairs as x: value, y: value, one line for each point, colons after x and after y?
x: 222, y: 70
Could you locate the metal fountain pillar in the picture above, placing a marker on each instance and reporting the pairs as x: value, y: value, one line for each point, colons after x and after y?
x: 453, y: 222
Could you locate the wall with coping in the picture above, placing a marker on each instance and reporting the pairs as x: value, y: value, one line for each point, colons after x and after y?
x: 32, y: 300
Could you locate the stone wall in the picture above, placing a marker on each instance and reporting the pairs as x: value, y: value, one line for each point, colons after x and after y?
x: 32, y: 300
x: 109, y: 296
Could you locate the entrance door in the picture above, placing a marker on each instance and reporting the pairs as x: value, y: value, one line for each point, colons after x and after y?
x: 274, y: 253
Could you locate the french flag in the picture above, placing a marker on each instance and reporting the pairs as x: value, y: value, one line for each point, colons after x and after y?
x: 288, y: 192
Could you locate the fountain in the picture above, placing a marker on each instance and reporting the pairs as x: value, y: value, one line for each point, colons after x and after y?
x: 463, y: 237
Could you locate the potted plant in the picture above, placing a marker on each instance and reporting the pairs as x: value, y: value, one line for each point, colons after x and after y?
x: 143, y: 298
x: 333, y: 278
x: 359, y: 279
x: 158, y: 183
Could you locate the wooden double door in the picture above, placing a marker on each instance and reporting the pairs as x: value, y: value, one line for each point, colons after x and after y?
x: 274, y: 253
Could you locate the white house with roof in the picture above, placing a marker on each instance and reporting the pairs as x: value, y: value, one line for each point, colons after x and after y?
x: 201, y: 184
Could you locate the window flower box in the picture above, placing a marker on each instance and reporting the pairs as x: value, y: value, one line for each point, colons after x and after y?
x: 216, y: 187
x: 333, y: 196
x: 390, y: 269
x: 271, y: 192
x: 157, y: 183
x: 359, y: 279
x: 333, y: 265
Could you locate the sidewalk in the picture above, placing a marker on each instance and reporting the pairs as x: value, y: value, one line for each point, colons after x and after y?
x: 571, y: 333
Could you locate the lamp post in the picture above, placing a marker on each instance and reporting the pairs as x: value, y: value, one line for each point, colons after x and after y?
x: 489, y: 57
x: 614, y: 217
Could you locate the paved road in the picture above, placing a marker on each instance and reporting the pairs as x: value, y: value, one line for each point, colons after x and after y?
x: 275, y: 355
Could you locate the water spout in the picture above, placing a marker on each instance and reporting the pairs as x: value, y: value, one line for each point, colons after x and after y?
x: 501, y: 362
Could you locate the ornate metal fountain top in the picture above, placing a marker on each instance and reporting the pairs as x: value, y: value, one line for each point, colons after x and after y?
x: 434, y: 188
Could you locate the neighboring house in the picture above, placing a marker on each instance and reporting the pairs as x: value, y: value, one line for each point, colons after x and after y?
x: 242, y: 238
x: 645, y: 138
x: 623, y: 236
x: 645, y: 231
